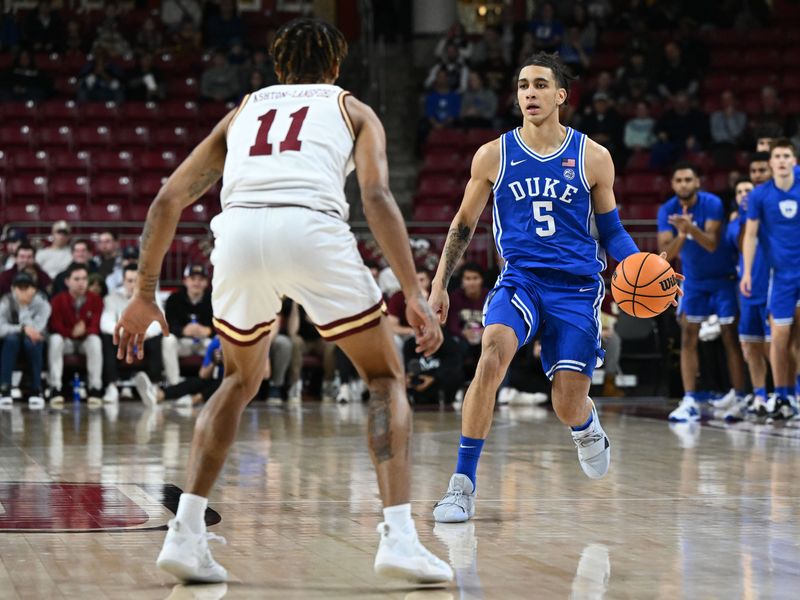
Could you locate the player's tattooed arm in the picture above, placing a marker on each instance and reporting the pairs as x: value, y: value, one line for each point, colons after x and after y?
x: 458, y: 239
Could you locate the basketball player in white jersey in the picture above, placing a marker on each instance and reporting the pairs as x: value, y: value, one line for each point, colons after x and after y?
x: 284, y: 154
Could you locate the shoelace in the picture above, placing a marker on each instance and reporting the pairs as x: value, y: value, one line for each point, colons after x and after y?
x: 452, y: 497
x: 588, y: 439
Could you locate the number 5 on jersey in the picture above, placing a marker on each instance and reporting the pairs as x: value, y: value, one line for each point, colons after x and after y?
x: 540, y: 207
x: 262, y: 147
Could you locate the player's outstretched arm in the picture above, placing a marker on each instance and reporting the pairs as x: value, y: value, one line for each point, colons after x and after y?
x: 386, y: 222
x: 201, y: 169
x: 485, y: 165
x: 600, y: 173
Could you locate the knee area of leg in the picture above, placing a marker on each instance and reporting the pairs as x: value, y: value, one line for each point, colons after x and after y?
x: 244, y: 386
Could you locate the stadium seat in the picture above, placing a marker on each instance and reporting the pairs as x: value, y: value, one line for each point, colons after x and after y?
x: 187, y: 88
x: 640, y: 211
x: 701, y: 160
x: 5, y: 162
x: 643, y: 183
x: 112, y: 188
x: 638, y: 162
x: 724, y: 58
x: 14, y: 112
x: 147, y: 186
x: 22, y: 211
x: 447, y: 138
x: 66, y: 85
x: 716, y: 182
x: 476, y: 138
x: 55, y: 136
x: 101, y: 113
x: 180, y: 112
x: 605, y: 61
x: 110, y: 162
x: 105, y: 211
x: 157, y: 162
x: 613, y: 39
x: 726, y: 37
x: 70, y: 212
x: 442, y: 163
x: 69, y: 189
x: 442, y: 212
x: 137, y: 211
x: 172, y: 137
x: 65, y: 161
x: 790, y: 83
x: 60, y: 111
x: 36, y: 162
x: 16, y: 136
x: 440, y: 186
x: 134, y: 135
x: 199, y: 212
x: 140, y: 113
x: 93, y: 136
x: 27, y: 188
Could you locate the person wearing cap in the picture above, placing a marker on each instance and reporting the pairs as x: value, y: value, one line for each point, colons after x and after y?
x: 24, y: 259
x: 75, y: 327
x: 23, y: 320
x: 108, y: 254
x: 114, y: 304
x: 189, y: 316
x: 13, y: 238
x: 56, y: 257
x: 81, y: 255
x: 130, y: 255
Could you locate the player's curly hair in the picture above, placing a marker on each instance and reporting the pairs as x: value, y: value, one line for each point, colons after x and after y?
x: 307, y: 51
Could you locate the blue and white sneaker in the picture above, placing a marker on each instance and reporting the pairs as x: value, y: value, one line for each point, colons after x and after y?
x: 686, y: 412
x: 782, y: 409
x: 594, y: 449
x: 738, y: 411
x: 727, y: 401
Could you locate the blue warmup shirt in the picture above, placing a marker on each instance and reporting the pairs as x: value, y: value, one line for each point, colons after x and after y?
x: 701, y: 267
x: 542, y: 213
x: 213, y: 346
x: 760, y: 271
x: 779, y: 225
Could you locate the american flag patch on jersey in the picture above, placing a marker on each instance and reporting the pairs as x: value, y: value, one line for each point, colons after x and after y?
x: 567, y: 162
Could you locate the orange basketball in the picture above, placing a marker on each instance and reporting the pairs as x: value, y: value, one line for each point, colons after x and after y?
x: 644, y: 285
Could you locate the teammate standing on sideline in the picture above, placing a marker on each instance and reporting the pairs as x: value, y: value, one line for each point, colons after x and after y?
x: 773, y: 224
x: 285, y: 153
x: 690, y: 224
x: 548, y: 182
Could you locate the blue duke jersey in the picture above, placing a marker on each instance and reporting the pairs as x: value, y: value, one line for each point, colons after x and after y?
x: 701, y: 267
x: 543, y: 215
x: 760, y: 269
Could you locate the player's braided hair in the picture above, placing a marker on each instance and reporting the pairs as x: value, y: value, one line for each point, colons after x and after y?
x: 307, y: 51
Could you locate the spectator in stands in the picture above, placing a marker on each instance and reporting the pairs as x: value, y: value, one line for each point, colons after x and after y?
x: 144, y: 82
x: 260, y: 61
x: 23, y: 322
x: 75, y: 42
x: 453, y: 67
x: 728, y: 124
x: 639, y: 131
x: 586, y: 26
x: 44, y: 29
x: 604, y: 84
x: 427, y: 377
x: 190, y: 318
x: 237, y: 56
x: 307, y: 340
x: 58, y: 255
x: 224, y: 28
x: 442, y: 106
x: 527, y: 47
x: 280, y: 360
x: 491, y: 42
x: 75, y: 327
x: 130, y: 254
x: 108, y: 255
x: 636, y: 79
x: 25, y: 81
x: 573, y: 52
x: 109, y: 36
x: 114, y: 304
x: 13, y: 238
x: 497, y: 72
x: 677, y: 74
x: 611, y: 343
x: 478, y: 103
x: 100, y: 80
x: 693, y: 50
x: 465, y: 318
x: 23, y: 259
x: 604, y: 124
x: 599, y: 10
x: 680, y: 129
x: 770, y: 115
x: 98, y: 285
x: 175, y: 13
x: 455, y: 36
x: 254, y: 82
x: 219, y: 81
x: 547, y: 31
x: 187, y: 39
x: 81, y: 255
x: 149, y: 40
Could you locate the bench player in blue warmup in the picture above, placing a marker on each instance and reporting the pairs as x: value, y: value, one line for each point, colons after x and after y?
x: 554, y: 212
x: 773, y: 223
x: 690, y: 225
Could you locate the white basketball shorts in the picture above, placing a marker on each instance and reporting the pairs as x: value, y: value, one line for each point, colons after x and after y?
x: 262, y: 254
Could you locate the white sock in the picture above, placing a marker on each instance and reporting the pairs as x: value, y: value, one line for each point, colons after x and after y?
x: 398, y: 517
x: 192, y: 512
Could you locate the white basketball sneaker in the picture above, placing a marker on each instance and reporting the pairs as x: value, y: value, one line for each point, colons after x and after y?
x: 727, y: 401
x: 186, y: 555
x: 402, y: 556
x: 686, y: 412
x: 594, y: 449
x: 458, y: 503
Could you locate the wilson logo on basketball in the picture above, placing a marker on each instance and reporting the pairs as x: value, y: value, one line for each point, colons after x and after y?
x: 668, y: 283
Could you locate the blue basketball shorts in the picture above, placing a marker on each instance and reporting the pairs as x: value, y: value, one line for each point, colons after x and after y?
x: 753, y: 322
x: 700, y: 302
x: 563, y: 308
x: 783, y: 297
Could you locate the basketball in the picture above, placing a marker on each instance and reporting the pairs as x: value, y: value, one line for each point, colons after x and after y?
x: 644, y: 285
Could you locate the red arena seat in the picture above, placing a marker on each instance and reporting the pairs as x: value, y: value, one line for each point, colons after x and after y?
x: 70, y: 188
x: 27, y: 188
x: 111, y: 187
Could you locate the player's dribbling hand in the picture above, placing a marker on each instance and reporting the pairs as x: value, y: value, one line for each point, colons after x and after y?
x: 440, y: 302
x: 679, y: 277
x: 132, y: 325
x: 427, y: 331
x: 746, y: 286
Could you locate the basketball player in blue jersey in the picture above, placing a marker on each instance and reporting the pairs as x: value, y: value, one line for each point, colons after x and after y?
x: 553, y: 208
x: 690, y: 225
x: 773, y: 223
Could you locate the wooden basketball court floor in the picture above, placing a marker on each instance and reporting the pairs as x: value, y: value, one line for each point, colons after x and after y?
x: 697, y: 512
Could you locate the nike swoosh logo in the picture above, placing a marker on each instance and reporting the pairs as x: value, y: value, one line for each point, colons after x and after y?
x: 463, y: 446
x: 586, y: 289
x: 514, y: 163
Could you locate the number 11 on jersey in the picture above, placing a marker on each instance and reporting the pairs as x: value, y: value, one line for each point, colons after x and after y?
x: 262, y: 147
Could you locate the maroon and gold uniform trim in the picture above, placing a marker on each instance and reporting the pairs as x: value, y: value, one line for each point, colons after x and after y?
x: 355, y: 324
x: 346, y: 116
x: 236, y: 114
x: 242, y: 337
